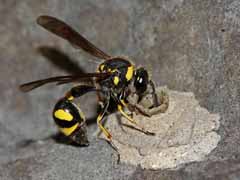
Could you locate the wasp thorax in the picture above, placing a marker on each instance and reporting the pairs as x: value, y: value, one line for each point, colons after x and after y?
x: 121, y: 72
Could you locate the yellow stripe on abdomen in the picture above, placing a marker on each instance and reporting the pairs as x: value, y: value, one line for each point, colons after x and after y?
x: 69, y: 131
x: 63, y: 115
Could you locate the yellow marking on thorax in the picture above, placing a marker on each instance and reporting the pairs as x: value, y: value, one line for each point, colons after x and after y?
x: 70, y: 98
x: 129, y: 73
x: 116, y: 80
x: 69, y: 131
x: 62, y: 115
x: 102, y: 67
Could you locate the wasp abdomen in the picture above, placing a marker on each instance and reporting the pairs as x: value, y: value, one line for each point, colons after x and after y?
x: 67, y: 116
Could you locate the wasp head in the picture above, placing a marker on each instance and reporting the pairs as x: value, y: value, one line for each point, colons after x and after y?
x: 141, y: 80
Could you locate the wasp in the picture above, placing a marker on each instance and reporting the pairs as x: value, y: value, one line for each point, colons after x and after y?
x: 113, y: 81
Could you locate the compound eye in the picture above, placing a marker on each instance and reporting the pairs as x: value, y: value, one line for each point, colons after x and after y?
x: 141, y: 80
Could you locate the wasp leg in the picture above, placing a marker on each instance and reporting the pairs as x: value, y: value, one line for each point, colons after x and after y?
x: 100, y: 118
x: 80, y: 90
x: 142, y: 110
x: 120, y: 109
x: 163, y: 99
x: 150, y: 112
x: 154, y: 95
x: 115, y: 149
x: 105, y: 131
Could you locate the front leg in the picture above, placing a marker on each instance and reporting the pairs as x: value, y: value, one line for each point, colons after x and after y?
x: 103, y: 129
x: 154, y: 95
x: 147, y: 108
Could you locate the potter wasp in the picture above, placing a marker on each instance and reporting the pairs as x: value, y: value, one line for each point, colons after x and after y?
x: 113, y: 81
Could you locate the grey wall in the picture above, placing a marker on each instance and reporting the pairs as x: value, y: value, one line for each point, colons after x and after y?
x: 190, y: 45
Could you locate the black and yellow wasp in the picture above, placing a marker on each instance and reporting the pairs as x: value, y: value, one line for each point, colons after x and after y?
x: 112, y: 80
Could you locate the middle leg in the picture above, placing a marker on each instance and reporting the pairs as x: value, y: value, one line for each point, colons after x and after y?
x: 104, y: 130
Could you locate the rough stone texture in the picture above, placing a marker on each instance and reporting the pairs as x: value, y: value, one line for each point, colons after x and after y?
x: 185, y: 133
x: 49, y: 160
x: 190, y: 45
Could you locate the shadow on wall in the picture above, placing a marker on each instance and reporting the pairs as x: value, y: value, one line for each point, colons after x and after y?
x: 60, y: 59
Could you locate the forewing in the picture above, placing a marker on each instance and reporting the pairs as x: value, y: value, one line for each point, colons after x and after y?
x: 64, y: 31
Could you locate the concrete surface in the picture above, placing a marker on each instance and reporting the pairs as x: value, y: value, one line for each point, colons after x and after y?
x: 185, y: 133
x: 188, y: 45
